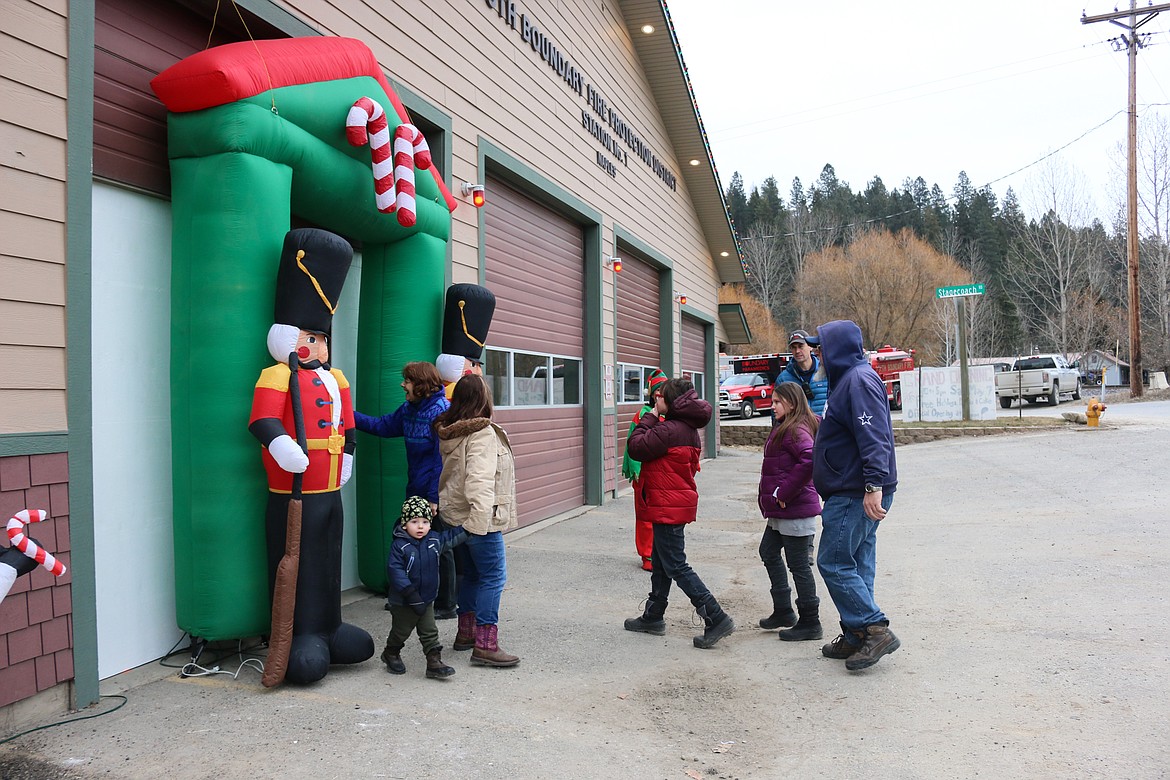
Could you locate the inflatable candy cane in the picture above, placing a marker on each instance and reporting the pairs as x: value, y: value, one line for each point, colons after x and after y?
x: 13, y: 565
x: 410, y: 151
x: 393, y: 177
x: 28, y: 546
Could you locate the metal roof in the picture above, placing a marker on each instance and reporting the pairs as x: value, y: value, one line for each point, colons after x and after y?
x: 666, y: 71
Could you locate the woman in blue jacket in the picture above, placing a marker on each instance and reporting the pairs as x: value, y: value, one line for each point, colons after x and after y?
x: 413, y: 421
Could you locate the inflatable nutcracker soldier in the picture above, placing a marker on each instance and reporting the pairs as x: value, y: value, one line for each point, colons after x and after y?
x: 467, y: 316
x: 302, y: 414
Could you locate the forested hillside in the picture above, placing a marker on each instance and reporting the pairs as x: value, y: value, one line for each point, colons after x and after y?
x: 1055, y: 280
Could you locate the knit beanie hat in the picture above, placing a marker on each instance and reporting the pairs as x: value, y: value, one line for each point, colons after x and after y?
x: 656, y: 378
x: 415, y: 506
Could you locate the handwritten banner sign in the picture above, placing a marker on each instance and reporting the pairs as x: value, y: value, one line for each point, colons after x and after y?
x: 936, y: 394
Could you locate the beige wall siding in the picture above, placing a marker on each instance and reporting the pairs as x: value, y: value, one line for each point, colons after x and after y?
x: 461, y: 56
x: 33, y: 46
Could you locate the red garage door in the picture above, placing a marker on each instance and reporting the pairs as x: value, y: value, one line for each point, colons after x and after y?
x: 638, y: 342
x: 534, y: 263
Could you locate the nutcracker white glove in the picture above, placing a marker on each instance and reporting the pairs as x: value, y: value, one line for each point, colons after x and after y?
x: 346, y: 467
x: 288, y: 454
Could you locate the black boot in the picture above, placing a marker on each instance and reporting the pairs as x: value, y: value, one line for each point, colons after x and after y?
x: 809, y: 625
x: 436, y: 669
x: 782, y: 615
x: 392, y: 659
x: 717, y: 623
x: 650, y: 621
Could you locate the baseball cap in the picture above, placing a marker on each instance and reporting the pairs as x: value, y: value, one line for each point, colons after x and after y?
x: 799, y: 337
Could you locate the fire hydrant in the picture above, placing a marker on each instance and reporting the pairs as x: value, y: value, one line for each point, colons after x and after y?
x: 1093, y: 413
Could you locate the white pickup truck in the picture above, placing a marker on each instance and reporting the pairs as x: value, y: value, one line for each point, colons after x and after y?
x: 1038, y: 376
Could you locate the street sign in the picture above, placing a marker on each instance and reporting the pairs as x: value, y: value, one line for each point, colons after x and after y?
x: 961, y: 291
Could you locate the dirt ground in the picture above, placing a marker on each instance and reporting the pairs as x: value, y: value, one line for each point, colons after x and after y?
x: 1025, y: 575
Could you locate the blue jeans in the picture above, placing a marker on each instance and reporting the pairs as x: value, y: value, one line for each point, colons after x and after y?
x: 669, y: 559
x: 484, y: 575
x: 847, y: 559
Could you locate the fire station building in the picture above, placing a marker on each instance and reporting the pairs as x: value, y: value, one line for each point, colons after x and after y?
x: 579, y: 122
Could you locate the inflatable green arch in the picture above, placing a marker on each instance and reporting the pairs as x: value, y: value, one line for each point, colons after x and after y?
x: 256, y: 134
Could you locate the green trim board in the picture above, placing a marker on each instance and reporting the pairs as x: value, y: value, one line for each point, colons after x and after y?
x: 278, y: 17
x: 493, y: 160
x: 710, y: 385
x: 79, y: 366
x: 43, y: 443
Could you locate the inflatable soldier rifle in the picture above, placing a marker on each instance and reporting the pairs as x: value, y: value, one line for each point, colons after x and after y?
x: 284, y: 595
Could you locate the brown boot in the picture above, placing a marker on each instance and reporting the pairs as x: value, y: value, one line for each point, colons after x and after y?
x: 879, y: 641
x: 465, y: 636
x: 436, y: 669
x: 844, y: 645
x: 487, y: 650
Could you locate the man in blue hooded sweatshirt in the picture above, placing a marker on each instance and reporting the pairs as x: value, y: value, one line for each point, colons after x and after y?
x: 855, y: 473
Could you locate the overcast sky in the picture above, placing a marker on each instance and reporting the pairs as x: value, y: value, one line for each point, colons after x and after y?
x: 907, y: 88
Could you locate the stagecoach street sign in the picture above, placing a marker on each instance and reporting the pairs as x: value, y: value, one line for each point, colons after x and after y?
x: 960, y: 291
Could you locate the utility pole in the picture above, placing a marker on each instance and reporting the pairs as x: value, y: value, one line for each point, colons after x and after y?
x: 1132, y: 43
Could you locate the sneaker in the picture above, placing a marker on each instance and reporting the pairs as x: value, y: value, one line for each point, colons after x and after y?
x: 879, y: 641
x: 840, y: 648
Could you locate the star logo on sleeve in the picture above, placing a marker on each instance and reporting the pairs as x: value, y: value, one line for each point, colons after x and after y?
x: 866, y: 419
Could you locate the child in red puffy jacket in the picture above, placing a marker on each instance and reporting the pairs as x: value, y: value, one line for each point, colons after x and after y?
x: 667, y: 444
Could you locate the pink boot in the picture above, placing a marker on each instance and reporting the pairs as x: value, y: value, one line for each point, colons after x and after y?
x: 465, y: 638
x: 487, y: 650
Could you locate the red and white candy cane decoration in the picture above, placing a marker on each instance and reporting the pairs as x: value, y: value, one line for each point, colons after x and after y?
x: 393, y: 178
x: 28, y: 546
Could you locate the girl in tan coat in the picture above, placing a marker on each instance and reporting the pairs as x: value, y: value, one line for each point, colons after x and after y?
x: 477, y: 490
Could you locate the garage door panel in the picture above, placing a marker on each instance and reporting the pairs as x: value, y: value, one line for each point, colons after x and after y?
x: 638, y: 316
x: 535, y: 265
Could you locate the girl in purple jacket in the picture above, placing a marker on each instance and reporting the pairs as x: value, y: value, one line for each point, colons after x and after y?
x: 792, y: 508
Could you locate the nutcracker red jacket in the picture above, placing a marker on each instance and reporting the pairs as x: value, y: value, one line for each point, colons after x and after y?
x: 669, y: 451
x: 327, y: 443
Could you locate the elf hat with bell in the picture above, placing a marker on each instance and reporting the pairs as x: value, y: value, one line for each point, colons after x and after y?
x: 467, y: 316
x: 655, y: 379
x: 313, y: 266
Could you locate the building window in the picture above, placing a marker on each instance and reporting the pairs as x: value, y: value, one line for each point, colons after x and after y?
x: 497, y: 373
x: 696, y: 378
x: 532, y: 379
x: 633, y: 384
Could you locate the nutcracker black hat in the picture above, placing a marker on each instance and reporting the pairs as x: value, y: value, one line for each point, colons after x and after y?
x: 467, y: 316
x: 313, y: 266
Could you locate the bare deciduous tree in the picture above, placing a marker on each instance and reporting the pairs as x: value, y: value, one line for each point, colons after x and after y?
x: 886, y: 284
x: 767, y: 336
x: 1050, y: 269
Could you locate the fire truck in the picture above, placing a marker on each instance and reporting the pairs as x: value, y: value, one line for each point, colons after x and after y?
x: 748, y: 390
x: 889, y: 363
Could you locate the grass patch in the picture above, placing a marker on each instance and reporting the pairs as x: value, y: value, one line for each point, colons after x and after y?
x: 1001, y: 422
x: 1121, y: 396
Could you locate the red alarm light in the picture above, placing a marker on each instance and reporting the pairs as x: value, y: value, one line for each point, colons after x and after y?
x: 478, y: 198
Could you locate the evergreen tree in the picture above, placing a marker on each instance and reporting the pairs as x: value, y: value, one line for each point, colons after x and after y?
x: 737, y: 206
